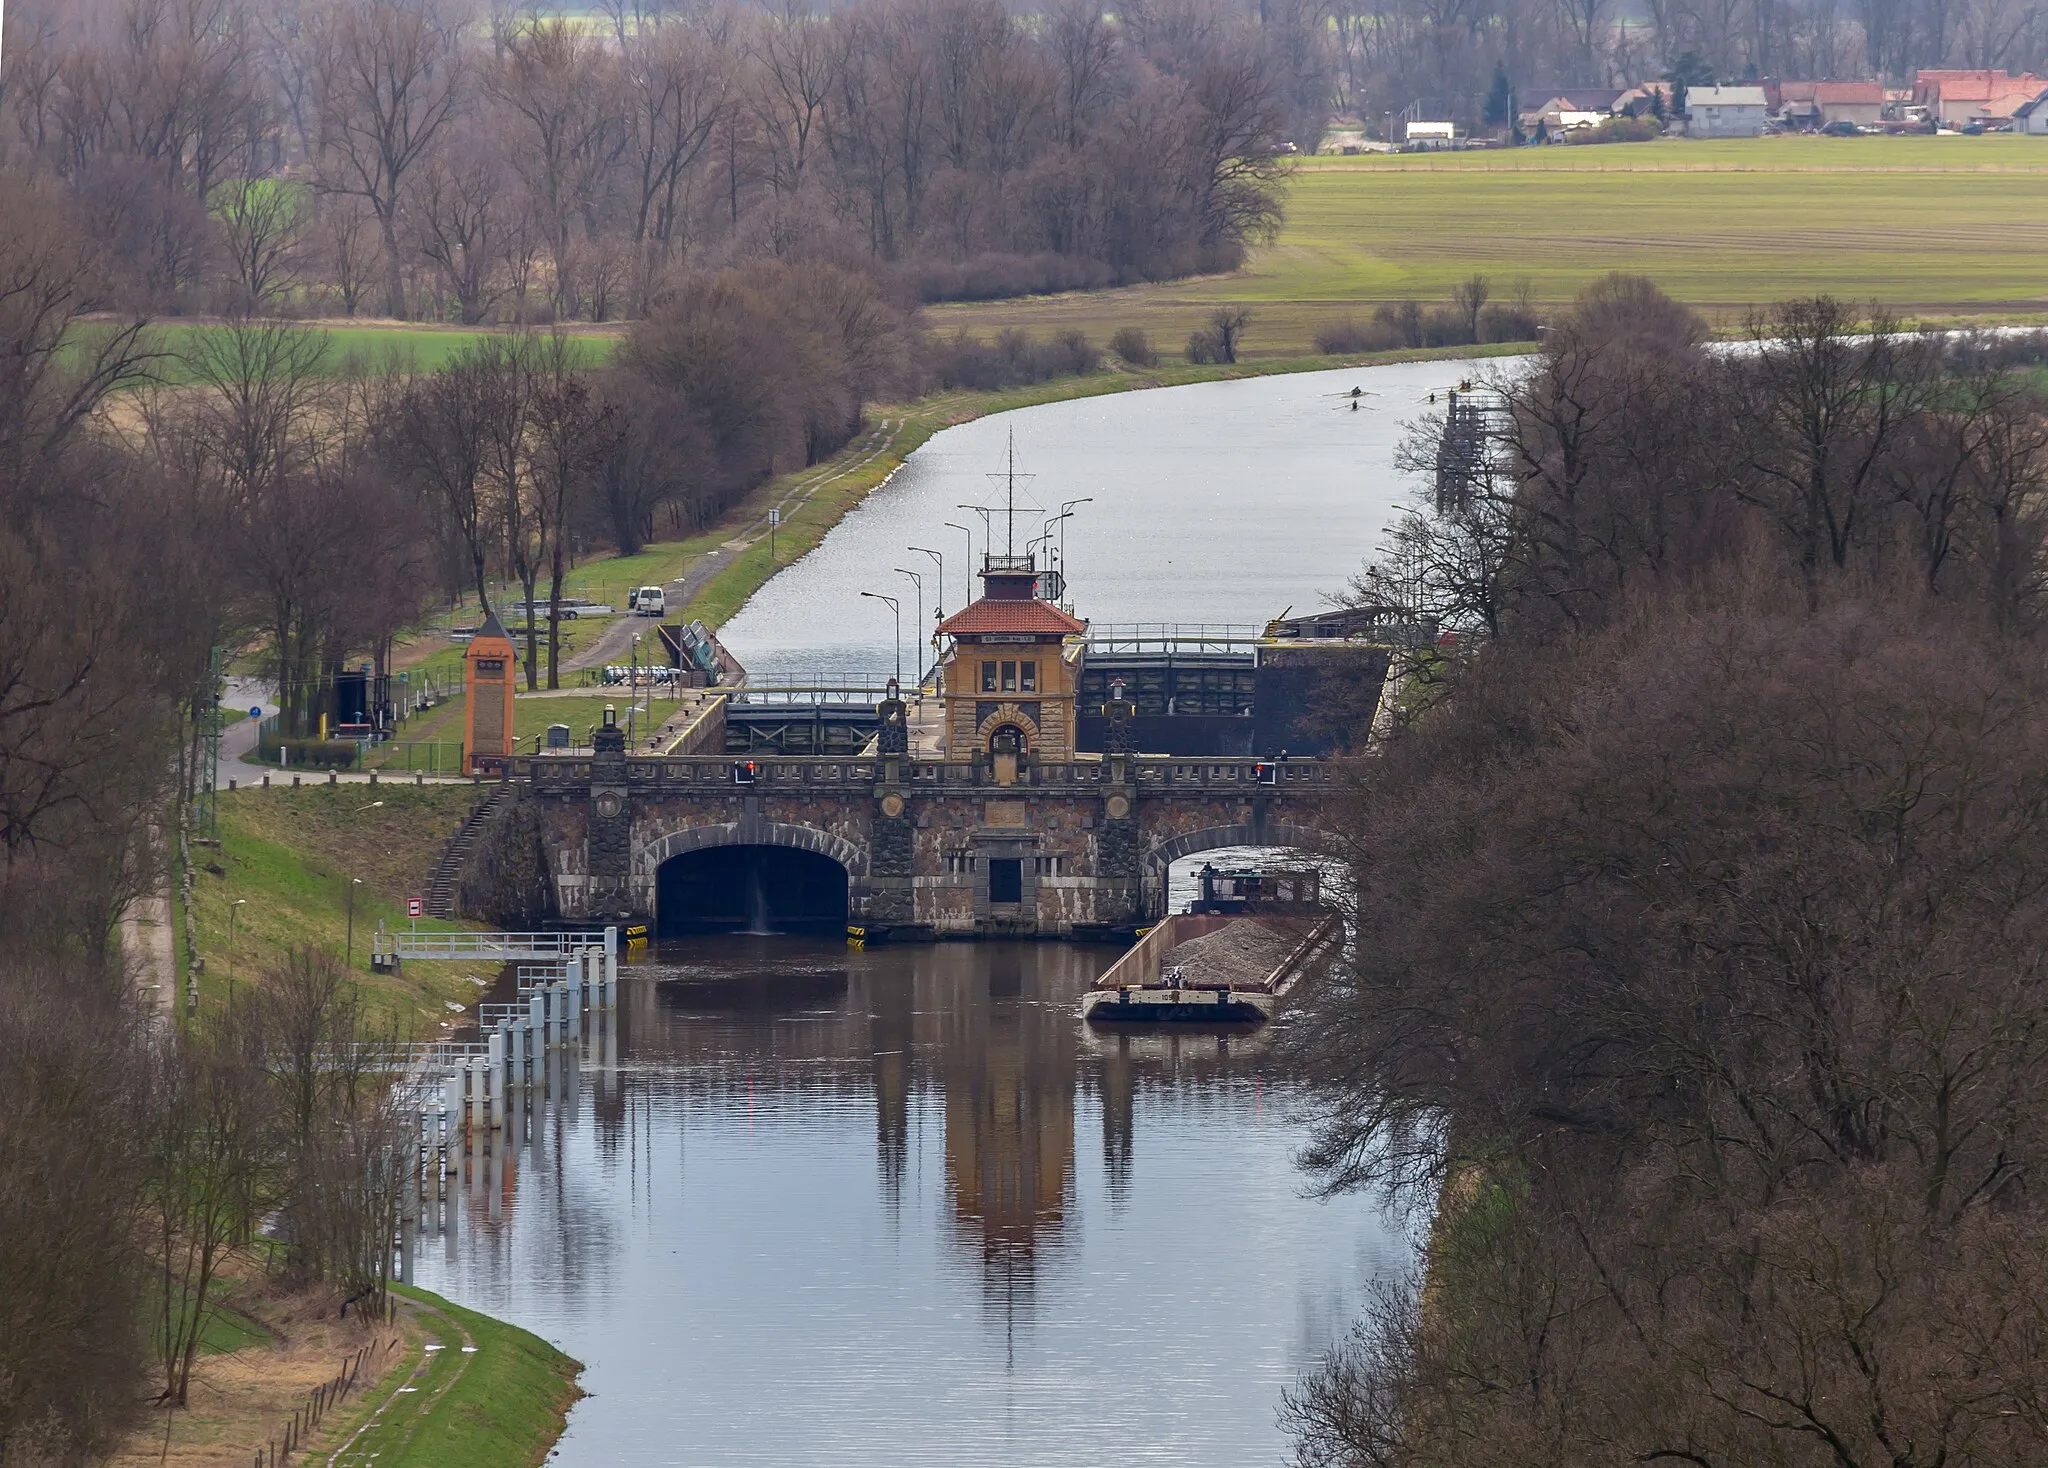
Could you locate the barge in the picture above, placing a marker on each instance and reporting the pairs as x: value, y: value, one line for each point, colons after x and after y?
x: 1210, y: 969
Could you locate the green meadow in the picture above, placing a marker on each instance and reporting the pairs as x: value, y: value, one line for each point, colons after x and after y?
x: 1938, y: 228
x: 354, y: 349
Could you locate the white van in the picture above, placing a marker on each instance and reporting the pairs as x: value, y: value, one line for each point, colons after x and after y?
x: 650, y: 601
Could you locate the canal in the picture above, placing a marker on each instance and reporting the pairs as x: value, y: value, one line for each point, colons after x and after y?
x: 1220, y: 502
x: 807, y: 1204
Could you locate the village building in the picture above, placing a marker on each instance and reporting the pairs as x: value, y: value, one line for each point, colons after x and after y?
x: 1725, y: 112
x: 1958, y: 98
x: 1816, y: 104
x: 2032, y: 117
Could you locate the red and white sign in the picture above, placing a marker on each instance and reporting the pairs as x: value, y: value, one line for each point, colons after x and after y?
x: 414, y: 907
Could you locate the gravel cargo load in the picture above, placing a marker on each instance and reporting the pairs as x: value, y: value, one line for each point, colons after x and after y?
x: 1242, y: 954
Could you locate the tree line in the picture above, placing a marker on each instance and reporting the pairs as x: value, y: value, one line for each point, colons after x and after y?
x: 138, y: 1155
x: 421, y: 159
x: 1697, y: 984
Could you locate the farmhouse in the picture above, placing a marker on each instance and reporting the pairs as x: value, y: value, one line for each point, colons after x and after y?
x: 1725, y: 112
x: 1816, y: 104
x: 1958, y: 97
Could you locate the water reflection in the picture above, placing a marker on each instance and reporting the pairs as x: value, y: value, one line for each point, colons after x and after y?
x: 801, y: 1204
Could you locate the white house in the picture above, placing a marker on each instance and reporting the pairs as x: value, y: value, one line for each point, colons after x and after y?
x: 1725, y: 112
x: 1430, y: 135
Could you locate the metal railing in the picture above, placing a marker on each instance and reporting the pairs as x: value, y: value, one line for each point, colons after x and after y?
x: 700, y: 774
x: 504, y: 947
x: 1106, y: 637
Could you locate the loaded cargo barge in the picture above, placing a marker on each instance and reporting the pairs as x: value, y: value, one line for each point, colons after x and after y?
x: 1210, y: 968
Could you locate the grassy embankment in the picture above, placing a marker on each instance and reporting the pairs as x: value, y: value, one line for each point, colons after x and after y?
x: 289, y: 856
x: 444, y: 1388
x: 1939, y: 229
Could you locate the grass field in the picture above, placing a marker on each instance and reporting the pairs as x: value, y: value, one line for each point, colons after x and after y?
x: 1937, y: 227
x: 351, y: 348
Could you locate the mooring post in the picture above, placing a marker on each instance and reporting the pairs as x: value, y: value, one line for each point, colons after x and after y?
x: 479, y: 1082
x: 611, y: 964
x: 517, y: 1033
x: 537, y: 1024
x: 494, y: 1070
x: 574, y: 984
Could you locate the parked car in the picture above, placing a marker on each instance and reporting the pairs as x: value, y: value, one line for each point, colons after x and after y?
x: 1841, y: 127
x: 650, y: 601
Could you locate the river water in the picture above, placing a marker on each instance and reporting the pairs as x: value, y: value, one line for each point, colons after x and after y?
x: 1219, y: 502
x: 809, y: 1205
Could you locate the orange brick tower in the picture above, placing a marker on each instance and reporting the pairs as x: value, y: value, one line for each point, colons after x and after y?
x: 490, y: 674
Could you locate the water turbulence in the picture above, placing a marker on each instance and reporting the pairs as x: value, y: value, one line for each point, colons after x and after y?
x: 751, y: 889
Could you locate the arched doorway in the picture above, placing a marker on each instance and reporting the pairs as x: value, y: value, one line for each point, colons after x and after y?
x: 750, y: 889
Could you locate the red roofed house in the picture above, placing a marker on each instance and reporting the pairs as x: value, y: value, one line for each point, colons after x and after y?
x: 1957, y: 97
x: 1010, y: 680
x: 1859, y: 102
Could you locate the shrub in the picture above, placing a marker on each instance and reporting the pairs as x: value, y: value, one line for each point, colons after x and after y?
x: 992, y: 275
x: 1131, y: 345
x: 1348, y: 338
x: 1205, y: 347
x: 1013, y: 359
x: 338, y: 754
x: 1508, y: 323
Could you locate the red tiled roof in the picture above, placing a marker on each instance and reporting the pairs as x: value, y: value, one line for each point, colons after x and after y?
x: 1843, y: 94
x: 986, y: 615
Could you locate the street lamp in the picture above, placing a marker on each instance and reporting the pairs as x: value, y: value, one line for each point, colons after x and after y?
x: 231, y: 948
x: 988, y: 529
x: 939, y: 595
x: 349, y: 958
x: 919, y: 623
x: 968, y: 598
x: 896, y: 607
x: 632, y: 688
x: 1066, y: 512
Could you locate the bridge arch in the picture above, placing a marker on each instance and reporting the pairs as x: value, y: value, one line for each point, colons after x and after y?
x: 648, y: 860
x: 752, y: 876
x: 1244, y: 833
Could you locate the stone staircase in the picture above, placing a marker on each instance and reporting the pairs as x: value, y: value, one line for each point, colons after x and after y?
x: 441, y: 888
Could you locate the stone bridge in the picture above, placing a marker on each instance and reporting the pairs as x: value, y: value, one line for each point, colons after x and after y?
x: 1063, y: 847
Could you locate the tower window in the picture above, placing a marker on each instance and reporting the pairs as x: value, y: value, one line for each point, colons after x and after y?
x: 988, y: 677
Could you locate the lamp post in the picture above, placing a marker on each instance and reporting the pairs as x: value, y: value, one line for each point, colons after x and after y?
x: 988, y: 530
x: 968, y: 598
x: 1066, y: 513
x: 896, y: 607
x: 919, y: 623
x: 231, y: 948
x: 939, y: 593
x: 632, y: 688
x: 349, y: 958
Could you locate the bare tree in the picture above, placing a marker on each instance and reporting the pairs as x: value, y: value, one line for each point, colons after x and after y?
x: 390, y: 76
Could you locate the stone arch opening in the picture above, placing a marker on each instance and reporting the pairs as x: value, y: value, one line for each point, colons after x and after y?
x: 751, y: 889
x: 1301, y: 845
x: 756, y: 876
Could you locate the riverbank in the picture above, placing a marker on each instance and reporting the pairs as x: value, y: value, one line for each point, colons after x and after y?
x: 431, y: 1386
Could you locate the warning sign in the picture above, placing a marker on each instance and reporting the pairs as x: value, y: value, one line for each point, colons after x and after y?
x: 414, y: 907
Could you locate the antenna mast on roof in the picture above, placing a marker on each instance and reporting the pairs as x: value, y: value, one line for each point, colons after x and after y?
x: 1008, y: 479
